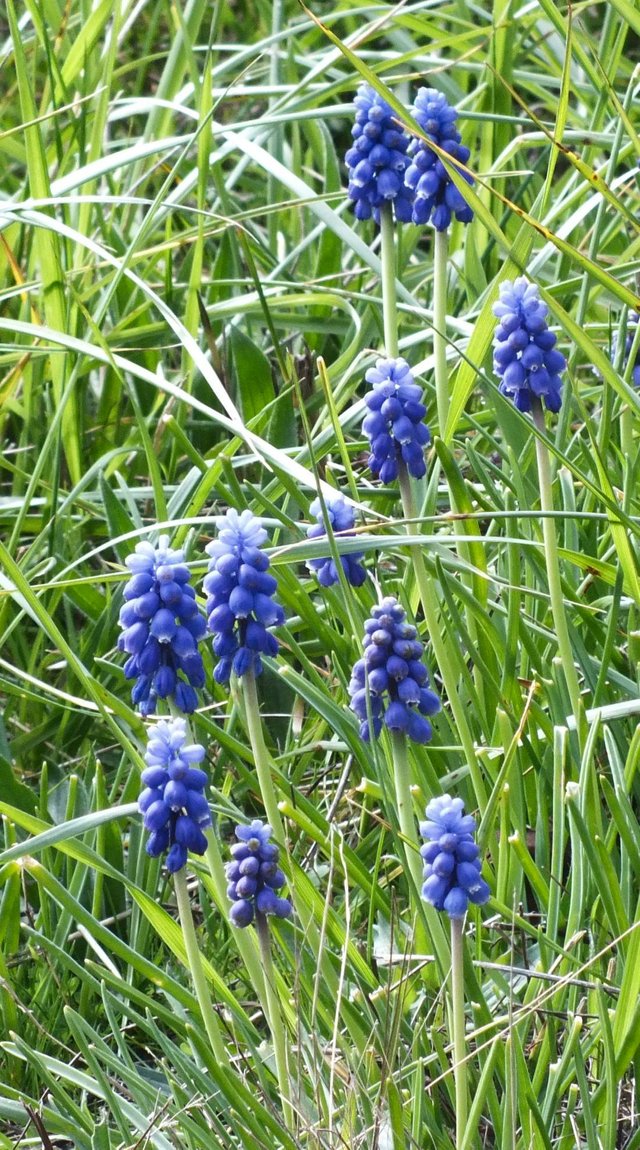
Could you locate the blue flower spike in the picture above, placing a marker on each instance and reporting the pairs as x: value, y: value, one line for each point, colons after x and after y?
x: 240, y: 604
x: 451, y: 858
x: 395, y: 423
x: 525, y: 357
x: 630, y: 335
x: 254, y: 876
x: 436, y: 197
x: 393, y: 677
x: 176, y: 812
x: 341, y: 516
x: 162, y: 628
x: 377, y: 160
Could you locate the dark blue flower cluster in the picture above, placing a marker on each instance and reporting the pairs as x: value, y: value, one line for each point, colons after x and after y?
x: 240, y: 591
x: 628, y: 344
x: 176, y: 812
x: 378, y: 159
x: 254, y: 876
x: 391, y: 666
x: 524, y: 350
x: 162, y: 628
x: 436, y: 197
x: 394, y: 424
x: 451, y: 858
x: 342, y: 519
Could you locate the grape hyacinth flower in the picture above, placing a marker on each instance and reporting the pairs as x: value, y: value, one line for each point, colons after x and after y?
x: 341, y: 516
x: 391, y: 672
x: 176, y: 812
x: 451, y: 858
x: 162, y: 629
x: 254, y: 876
x: 394, y: 424
x: 377, y: 159
x: 634, y: 318
x: 524, y: 349
x: 240, y: 604
x: 436, y: 197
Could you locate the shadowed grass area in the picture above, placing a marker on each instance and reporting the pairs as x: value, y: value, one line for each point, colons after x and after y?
x: 187, y: 311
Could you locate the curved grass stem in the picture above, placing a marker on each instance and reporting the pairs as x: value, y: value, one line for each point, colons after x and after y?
x: 553, y: 574
x: 261, y: 755
x: 389, y: 297
x: 440, y: 257
x: 457, y: 1014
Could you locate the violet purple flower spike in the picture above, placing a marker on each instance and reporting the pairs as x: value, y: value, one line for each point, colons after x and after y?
x: 162, y: 628
x: 391, y: 683
x: 436, y: 197
x: 377, y: 160
x: 395, y: 423
x: 176, y: 812
x: 240, y: 590
x: 451, y: 858
x: 341, y: 516
x: 524, y: 349
x: 254, y: 876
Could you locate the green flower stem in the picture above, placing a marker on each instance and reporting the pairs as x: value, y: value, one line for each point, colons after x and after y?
x: 271, y: 1006
x: 194, y: 960
x: 404, y: 803
x: 440, y: 257
x: 428, y: 598
x: 457, y: 1013
x: 261, y: 756
x: 389, y: 299
x: 553, y: 573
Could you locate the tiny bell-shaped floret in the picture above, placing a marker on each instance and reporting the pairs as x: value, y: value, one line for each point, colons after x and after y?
x: 452, y: 864
x: 176, y: 812
x: 254, y: 876
x: 391, y: 683
x: 162, y: 627
x: 436, y: 197
x: 341, y: 516
x: 525, y: 357
x: 240, y: 604
x: 395, y: 423
x: 377, y: 159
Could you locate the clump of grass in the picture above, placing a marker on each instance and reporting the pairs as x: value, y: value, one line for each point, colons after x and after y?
x: 188, y: 312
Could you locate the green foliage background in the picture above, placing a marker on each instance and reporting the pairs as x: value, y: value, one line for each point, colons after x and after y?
x: 177, y: 264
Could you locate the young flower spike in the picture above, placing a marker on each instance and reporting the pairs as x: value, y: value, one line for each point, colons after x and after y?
x: 176, y: 812
x: 254, y: 876
x: 162, y: 628
x: 524, y: 350
x: 436, y: 196
x: 394, y: 424
x: 377, y: 160
x: 240, y: 604
x: 632, y: 325
x: 341, y: 516
x: 390, y: 682
x: 451, y: 863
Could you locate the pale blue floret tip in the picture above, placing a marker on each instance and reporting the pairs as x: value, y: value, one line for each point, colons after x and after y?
x: 394, y: 423
x: 451, y: 858
x: 436, y: 197
x: 240, y: 604
x: 254, y: 876
x: 162, y: 627
x: 377, y: 160
x: 176, y: 812
x: 390, y: 684
x: 525, y: 357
